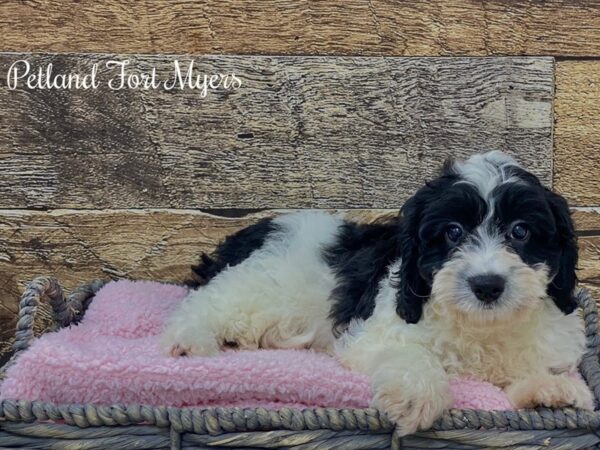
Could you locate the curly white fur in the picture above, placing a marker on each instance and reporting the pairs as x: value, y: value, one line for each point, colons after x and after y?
x: 276, y: 298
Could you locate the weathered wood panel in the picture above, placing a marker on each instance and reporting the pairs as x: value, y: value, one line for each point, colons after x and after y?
x: 576, y: 134
x: 78, y: 246
x: 588, y: 224
x: 374, y: 27
x: 300, y: 132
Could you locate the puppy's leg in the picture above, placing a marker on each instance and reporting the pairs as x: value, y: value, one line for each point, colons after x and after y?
x: 411, y: 388
x: 276, y: 297
x: 409, y: 383
x: 552, y: 391
x: 234, y: 308
x: 190, y: 329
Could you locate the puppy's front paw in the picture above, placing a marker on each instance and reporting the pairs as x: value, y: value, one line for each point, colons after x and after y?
x: 180, y: 348
x: 411, y: 406
x: 177, y: 350
x: 551, y: 391
x: 191, y: 343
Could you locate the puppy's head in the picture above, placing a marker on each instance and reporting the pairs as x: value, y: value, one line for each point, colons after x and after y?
x: 485, y: 240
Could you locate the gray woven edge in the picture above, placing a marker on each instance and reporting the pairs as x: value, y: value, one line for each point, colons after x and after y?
x: 64, y: 311
x: 221, y: 420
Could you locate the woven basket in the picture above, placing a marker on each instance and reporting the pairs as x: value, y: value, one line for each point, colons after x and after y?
x: 26, y: 424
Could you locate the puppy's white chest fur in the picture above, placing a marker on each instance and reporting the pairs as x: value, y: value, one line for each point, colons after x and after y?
x: 542, y: 339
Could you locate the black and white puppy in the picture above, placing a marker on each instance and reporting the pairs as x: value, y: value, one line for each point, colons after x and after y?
x: 474, y: 278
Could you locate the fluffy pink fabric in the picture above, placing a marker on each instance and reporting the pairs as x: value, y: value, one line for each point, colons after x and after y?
x: 113, y: 356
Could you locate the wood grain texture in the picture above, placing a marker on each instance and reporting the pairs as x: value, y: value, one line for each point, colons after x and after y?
x: 301, y: 132
x: 588, y: 224
x: 365, y: 27
x: 577, y: 139
x: 79, y: 246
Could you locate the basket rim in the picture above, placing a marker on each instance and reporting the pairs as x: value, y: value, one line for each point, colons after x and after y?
x: 216, y: 420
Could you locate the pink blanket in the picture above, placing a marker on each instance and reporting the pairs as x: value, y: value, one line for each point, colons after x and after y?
x: 113, y: 356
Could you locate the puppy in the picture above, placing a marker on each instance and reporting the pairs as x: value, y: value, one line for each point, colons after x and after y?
x: 474, y: 278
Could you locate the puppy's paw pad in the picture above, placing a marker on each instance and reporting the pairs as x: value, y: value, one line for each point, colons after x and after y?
x: 188, y: 342
x: 178, y: 351
x: 182, y: 350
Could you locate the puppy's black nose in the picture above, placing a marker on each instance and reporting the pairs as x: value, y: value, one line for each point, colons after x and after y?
x: 487, y: 288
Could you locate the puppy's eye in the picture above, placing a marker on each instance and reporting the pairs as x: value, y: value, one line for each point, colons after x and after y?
x: 519, y: 232
x: 453, y: 233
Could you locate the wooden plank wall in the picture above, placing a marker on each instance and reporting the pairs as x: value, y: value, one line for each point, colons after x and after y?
x: 301, y: 132
x: 304, y: 132
x: 112, y: 240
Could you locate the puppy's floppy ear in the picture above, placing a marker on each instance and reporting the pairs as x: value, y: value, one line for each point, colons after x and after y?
x: 562, y: 287
x: 413, y: 290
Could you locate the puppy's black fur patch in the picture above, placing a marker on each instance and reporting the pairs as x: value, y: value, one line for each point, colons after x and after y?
x: 359, y: 258
x: 232, y: 251
x: 552, y: 242
x: 423, y: 247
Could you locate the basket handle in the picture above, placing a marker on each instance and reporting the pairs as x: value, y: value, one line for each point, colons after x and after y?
x: 64, y: 311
